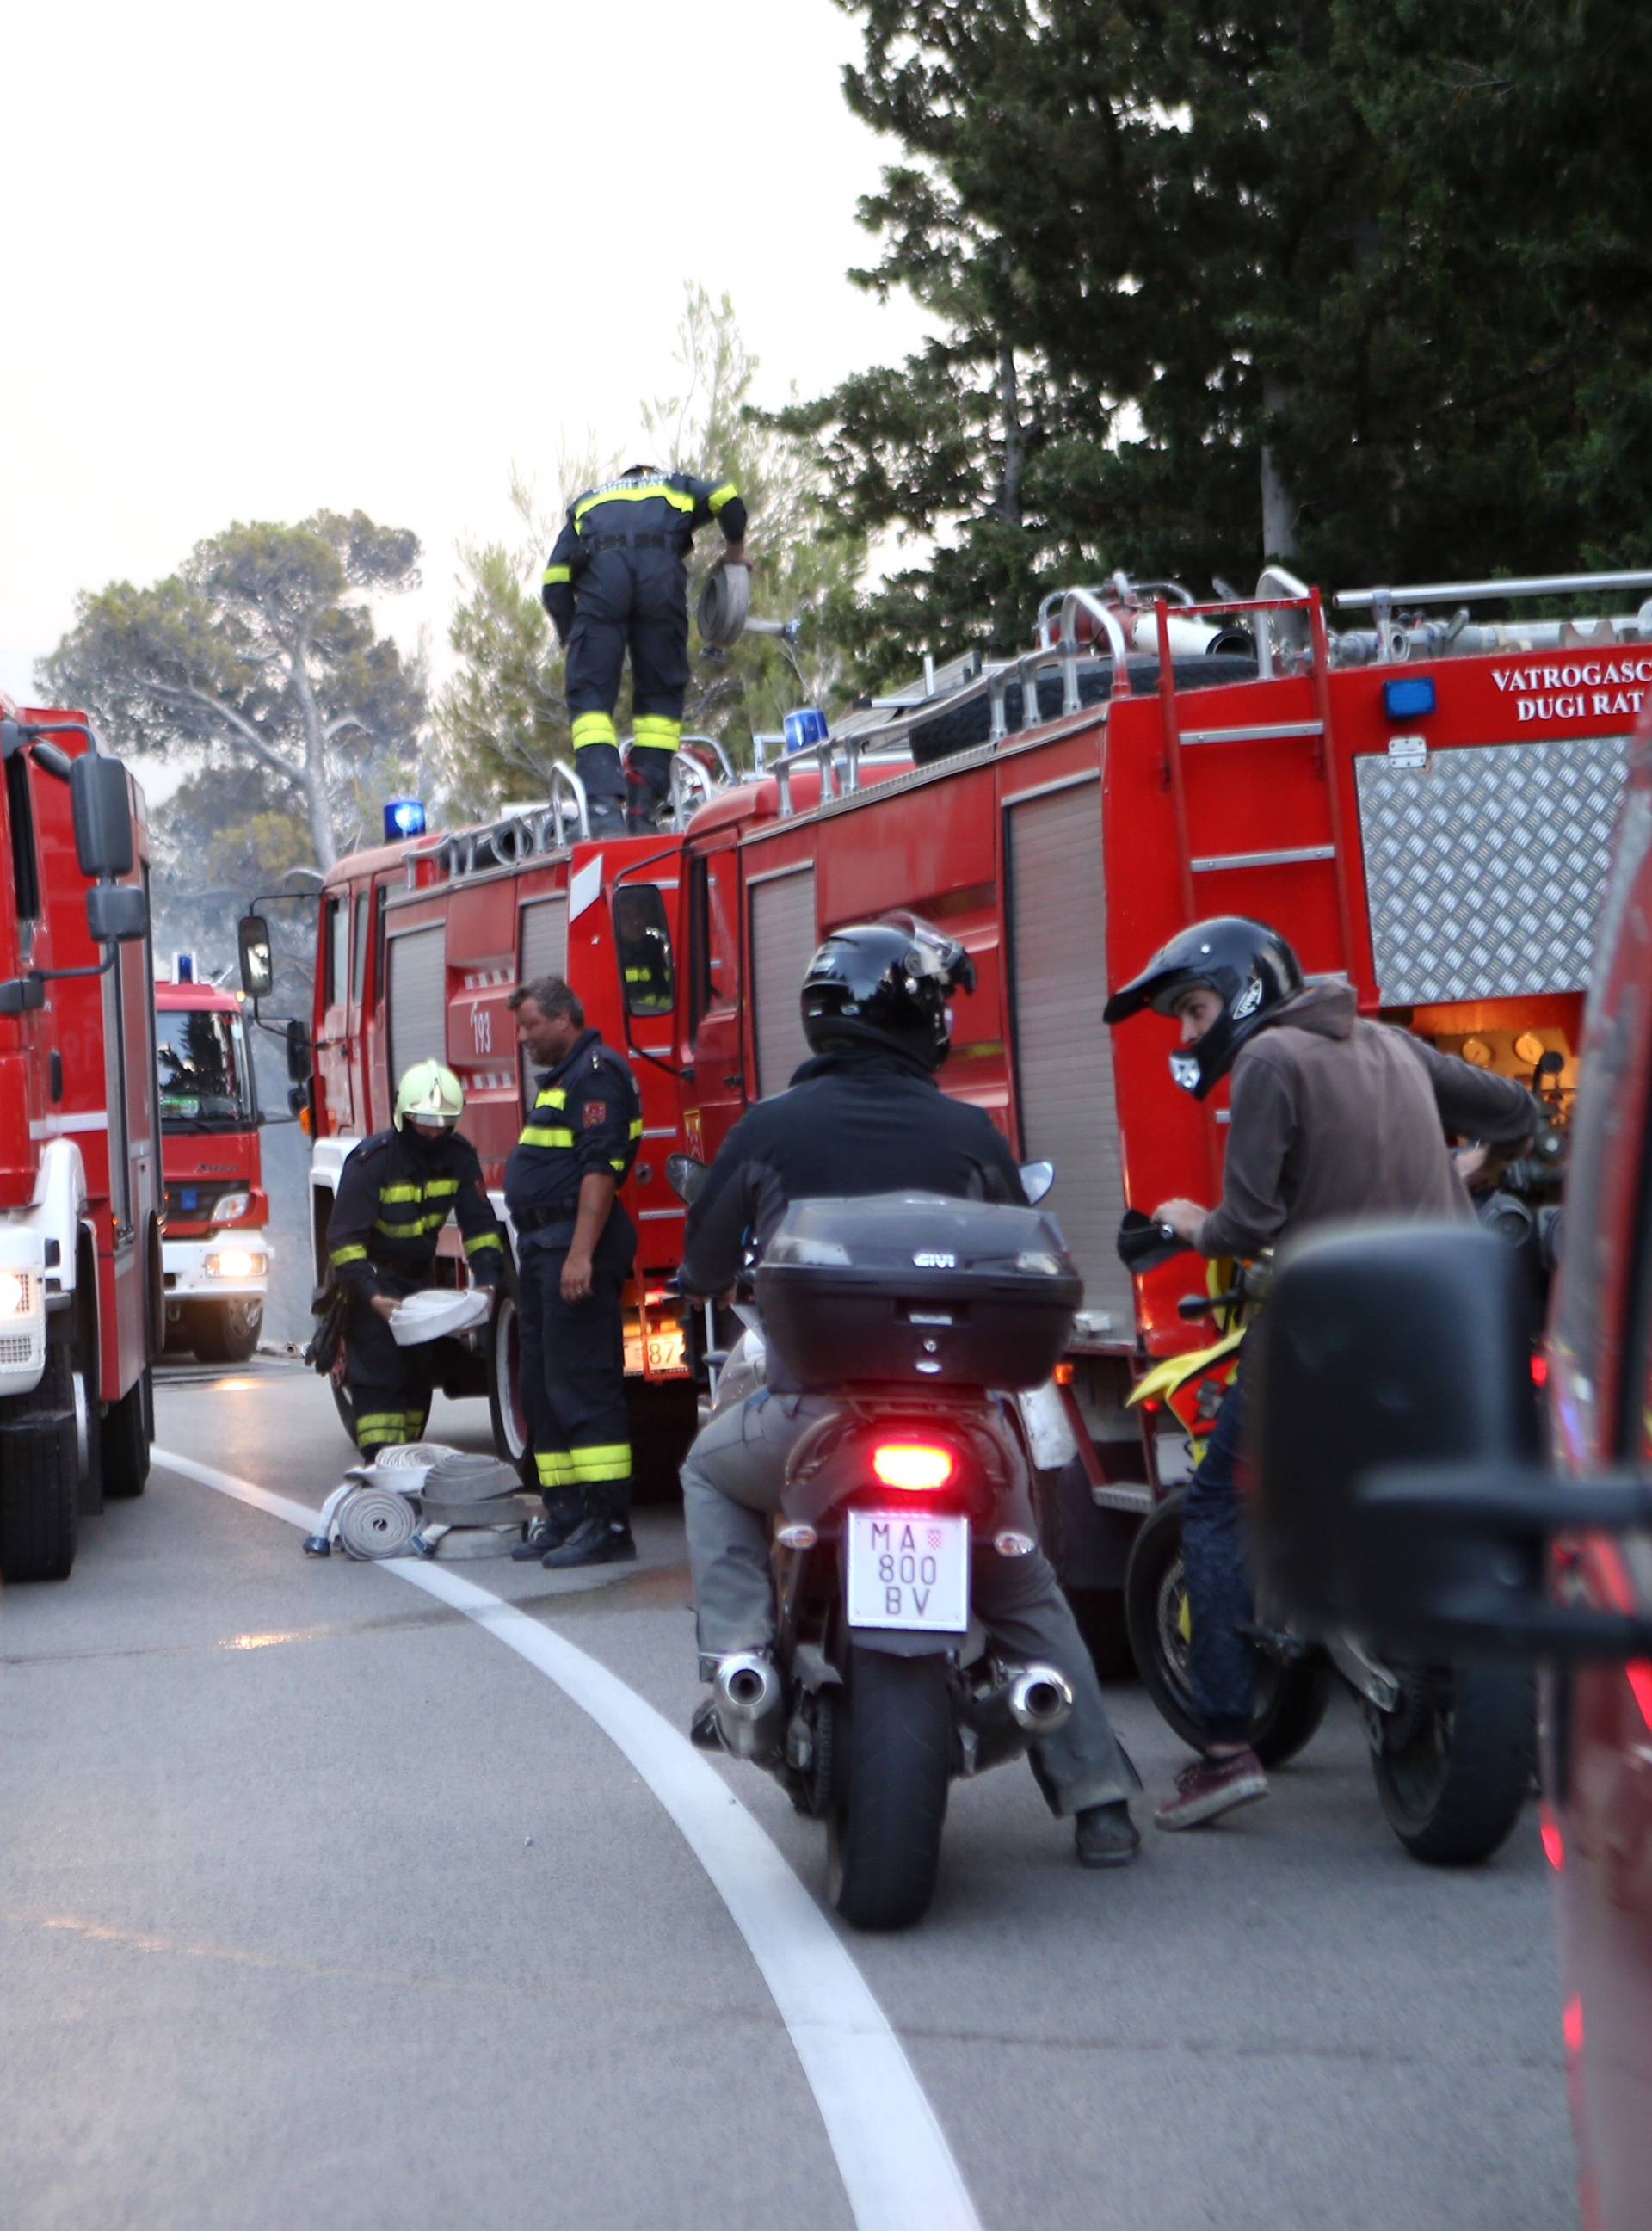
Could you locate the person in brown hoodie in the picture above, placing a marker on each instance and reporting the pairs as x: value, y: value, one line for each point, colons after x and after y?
x: 1331, y: 1116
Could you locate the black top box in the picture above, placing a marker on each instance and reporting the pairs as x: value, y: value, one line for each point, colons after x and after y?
x: 919, y: 1289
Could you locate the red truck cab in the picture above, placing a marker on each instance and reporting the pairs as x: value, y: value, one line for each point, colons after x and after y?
x: 216, y: 1249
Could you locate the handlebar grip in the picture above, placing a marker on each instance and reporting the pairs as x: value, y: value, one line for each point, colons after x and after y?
x: 1202, y: 1305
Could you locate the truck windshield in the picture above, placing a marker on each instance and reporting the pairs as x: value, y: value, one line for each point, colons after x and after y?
x: 202, y: 1063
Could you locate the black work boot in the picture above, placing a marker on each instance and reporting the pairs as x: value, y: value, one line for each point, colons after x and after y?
x: 598, y: 1539
x: 1106, y: 1836
x: 549, y: 1533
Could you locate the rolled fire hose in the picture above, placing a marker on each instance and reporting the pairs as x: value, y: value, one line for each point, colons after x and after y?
x: 471, y: 1491
x: 725, y: 599
x: 376, y: 1522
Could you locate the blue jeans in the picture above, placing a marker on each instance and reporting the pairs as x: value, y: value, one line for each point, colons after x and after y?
x: 1221, y: 1666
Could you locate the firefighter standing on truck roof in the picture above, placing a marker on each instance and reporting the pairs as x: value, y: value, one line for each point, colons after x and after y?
x: 619, y: 576
x: 574, y: 1245
x: 395, y: 1193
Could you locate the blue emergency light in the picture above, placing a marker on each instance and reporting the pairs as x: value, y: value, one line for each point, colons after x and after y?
x: 805, y: 726
x: 404, y: 816
x: 1409, y: 696
x: 183, y: 967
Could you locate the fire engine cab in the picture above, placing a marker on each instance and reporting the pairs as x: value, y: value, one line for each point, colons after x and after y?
x: 80, y: 1140
x: 216, y: 1251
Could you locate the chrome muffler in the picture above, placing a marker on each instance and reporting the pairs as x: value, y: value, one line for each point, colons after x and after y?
x: 998, y: 1723
x: 749, y: 1702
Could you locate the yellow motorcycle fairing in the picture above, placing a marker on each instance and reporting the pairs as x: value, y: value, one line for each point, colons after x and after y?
x: 1163, y: 1380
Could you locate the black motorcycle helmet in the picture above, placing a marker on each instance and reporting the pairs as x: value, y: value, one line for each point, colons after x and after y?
x: 1249, y: 966
x: 884, y: 984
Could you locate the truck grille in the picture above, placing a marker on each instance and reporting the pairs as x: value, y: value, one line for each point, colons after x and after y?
x: 15, y: 1348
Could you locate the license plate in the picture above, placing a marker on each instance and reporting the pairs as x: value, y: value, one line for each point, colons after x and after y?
x: 908, y: 1571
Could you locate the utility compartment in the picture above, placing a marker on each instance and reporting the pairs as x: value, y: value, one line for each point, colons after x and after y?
x: 918, y: 1288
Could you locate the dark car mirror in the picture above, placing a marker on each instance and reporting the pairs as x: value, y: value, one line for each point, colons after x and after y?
x: 1037, y: 1178
x: 685, y: 1174
x: 298, y: 1051
x: 115, y: 913
x: 257, y: 967
x: 1398, y: 1489
x: 101, y: 810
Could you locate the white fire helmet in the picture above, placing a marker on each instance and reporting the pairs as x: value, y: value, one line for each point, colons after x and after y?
x: 429, y: 1095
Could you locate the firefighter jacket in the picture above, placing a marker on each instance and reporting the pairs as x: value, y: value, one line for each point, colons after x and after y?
x: 587, y: 1115
x: 641, y: 511
x: 394, y: 1196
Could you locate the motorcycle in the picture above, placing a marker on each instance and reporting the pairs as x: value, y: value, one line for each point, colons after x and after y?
x: 1451, y: 1748
x: 918, y: 1317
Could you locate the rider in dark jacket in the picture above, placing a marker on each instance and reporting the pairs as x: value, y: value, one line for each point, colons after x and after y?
x: 865, y: 1116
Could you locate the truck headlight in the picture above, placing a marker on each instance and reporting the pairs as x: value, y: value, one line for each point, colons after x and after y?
x: 16, y: 1294
x: 231, y: 1207
x: 235, y: 1263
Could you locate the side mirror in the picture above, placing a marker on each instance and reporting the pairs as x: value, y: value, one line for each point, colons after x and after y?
x: 257, y: 967
x: 101, y: 811
x: 115, y: 913
x: 1037, y: 1178
x: 685, y: 1174
x: 298, y: 1051
x: 1398, y: 1489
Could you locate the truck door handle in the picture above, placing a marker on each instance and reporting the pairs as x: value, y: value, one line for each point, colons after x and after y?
x: 734, y: 1082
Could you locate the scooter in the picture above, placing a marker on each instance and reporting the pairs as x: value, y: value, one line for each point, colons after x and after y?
x: 1451, y: 1748
x: 918, y: 1316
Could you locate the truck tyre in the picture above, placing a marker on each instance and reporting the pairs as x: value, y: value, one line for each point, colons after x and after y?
x: 227, y: 1331
x: 124, y: 1440
x: 1453, y: 1764
x: 664, y: 1417
x: 970, y: 723
x: 506, y: 1413
x: 1292, y: 1699
x: 884, y: 1832
x: 40, y: 1476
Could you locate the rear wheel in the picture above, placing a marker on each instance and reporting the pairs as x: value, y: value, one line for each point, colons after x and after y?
x: 506, y: 1411
x: 1454, y: 1763
x: 884, y: 1832
x: 39, y: 1475
x: 227, y: 1331
x: 1291, y: 1698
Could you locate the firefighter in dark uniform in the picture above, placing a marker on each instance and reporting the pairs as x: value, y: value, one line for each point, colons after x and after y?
x: 617, y: 577
x: 574, y: 1245
x: 396, y: 1192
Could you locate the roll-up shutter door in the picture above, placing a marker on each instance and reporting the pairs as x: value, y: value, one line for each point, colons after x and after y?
x: 783, y: 945
x: 418, y: 997
x: 1064, y: 1068
x: 545, y: 938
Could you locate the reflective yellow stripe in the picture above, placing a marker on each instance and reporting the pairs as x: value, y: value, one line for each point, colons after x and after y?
x: 640, y: 493
x: 591, y: 728
x: 536, y: 1134
x: 636, y: 1131
x: 655, y: 731
x: 556, y: 1470
x: 616, y: 1163
x: 719, y: 496
x: 382, y: 1418
x: 400, y: 1193
x: 439, y: 1187
x: 611, y: 1461
x: 416, y: 1229
x: 482, y: 1239
x: 555, y: 573
x: 554, y: 1096
x: 343, y: 1255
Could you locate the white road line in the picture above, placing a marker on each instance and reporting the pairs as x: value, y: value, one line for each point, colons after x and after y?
x: 899, y: 2171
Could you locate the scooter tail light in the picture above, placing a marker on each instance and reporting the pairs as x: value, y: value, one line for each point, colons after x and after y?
x: 919, y: 1467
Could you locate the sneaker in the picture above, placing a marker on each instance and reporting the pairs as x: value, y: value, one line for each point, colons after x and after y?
x: 593, y: 1541
x: 544, y: 1534
x: 1106, y: 1836
x: 1211, y: 1786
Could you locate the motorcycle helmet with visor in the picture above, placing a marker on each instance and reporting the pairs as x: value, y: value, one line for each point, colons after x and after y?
x: 885, y: 984
x: 1249, y: 966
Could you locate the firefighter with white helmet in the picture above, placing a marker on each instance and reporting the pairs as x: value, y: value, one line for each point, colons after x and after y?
x: 396, y: 1192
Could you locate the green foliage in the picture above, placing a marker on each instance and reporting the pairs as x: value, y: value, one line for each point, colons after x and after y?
x: 262, y: 646
x: 217, y: 844
x: 1385, y: 258
x: 502, y: 719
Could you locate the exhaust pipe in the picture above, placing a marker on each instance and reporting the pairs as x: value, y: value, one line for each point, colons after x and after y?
x: 751, y: 1705
x: 997, y: 1724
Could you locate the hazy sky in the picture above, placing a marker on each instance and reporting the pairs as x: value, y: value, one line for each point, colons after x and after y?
x: 263, y: 258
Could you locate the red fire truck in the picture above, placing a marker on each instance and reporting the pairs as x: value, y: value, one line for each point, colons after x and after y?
x: 80, y: 1140
x: 216, y: 1252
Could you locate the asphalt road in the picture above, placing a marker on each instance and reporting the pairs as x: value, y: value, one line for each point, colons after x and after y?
x: 326, y: 1900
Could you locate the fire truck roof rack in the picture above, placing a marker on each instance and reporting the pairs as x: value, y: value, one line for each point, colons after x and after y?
x: 517, y: 837
x: 1412, y: 636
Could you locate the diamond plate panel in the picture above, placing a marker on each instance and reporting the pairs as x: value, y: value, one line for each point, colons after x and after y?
x: 1484, y: 866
